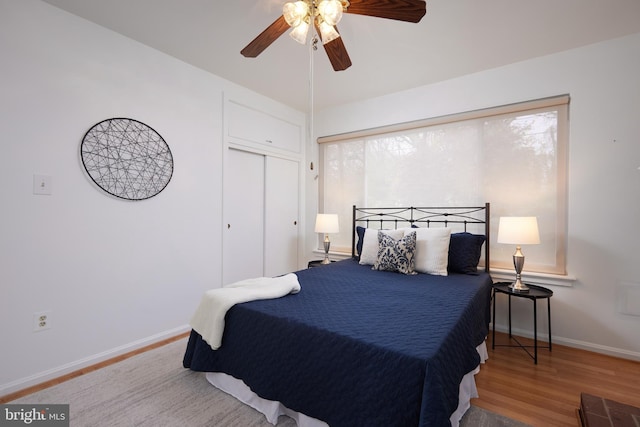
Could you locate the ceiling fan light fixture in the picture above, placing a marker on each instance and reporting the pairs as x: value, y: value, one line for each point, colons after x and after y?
x: 299, y: 32
x: 299, y: 15
x: 327, y: 32
x: 295, y: 12
x: 330, y: 11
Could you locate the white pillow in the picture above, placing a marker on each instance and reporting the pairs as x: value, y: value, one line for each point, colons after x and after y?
x: 432, y: 250
x: 369, y: 253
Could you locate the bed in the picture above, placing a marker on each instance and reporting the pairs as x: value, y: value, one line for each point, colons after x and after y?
x: 359, y: 346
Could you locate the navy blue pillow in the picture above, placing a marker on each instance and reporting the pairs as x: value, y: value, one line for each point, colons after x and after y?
x: 360, y: 231
x: 464, y: 252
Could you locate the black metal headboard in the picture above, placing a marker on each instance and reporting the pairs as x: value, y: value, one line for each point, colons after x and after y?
x: 387, y: 218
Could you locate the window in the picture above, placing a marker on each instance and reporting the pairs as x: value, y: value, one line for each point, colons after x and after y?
x: 512, y: 156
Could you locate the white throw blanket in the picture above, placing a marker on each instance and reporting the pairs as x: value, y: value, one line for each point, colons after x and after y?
x: 208, y: 320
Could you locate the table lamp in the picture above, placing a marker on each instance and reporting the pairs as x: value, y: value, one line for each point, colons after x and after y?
x: 518, y: 230
x: 327, y: 223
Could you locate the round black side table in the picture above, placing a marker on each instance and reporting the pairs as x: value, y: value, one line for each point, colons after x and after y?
x: 535, y: 293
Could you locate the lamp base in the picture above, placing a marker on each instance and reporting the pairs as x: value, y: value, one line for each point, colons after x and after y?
x: 327, y: 245
x: 518, y: 286
x: 518, y: 263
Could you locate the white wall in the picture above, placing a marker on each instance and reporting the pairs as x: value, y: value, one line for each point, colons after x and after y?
x: 604, y: 176
x: 115, y: 274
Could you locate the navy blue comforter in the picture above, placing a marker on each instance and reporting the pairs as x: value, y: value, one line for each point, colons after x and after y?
x: 357, y: 347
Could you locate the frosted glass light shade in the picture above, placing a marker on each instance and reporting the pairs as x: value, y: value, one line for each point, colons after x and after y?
x: 331, y: 11
x: 327, y: 32
x: 327, y: 223
x: 295, y: 12
x: 518, y: 230
x: 299, y: 32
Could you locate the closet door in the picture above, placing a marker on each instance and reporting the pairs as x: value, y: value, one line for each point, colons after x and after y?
x: 281, y: 216
x: 243, y: 234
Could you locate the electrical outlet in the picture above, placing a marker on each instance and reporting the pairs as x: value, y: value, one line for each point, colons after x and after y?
x: 41, y: 321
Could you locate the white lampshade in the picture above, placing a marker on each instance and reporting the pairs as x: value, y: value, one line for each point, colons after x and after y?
x: 327, y: 223
x: 518, y: 230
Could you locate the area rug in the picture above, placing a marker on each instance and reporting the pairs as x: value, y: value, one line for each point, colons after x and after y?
x: 153, y: 389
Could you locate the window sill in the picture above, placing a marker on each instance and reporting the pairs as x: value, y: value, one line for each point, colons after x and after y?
x: 542, y: 279
x: 336, y: 256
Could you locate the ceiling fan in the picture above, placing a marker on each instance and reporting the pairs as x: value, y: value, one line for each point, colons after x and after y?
x: 324, y: 15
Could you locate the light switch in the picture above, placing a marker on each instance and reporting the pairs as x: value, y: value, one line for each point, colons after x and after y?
x: 42, y: 184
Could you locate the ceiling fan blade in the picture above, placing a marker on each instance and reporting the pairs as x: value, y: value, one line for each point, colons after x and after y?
x: 400, y: 10
x: 336, y: 51
x: 265, y: 38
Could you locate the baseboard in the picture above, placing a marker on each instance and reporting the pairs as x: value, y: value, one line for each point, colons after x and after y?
x: 583, y: 345
x: 42, y: 377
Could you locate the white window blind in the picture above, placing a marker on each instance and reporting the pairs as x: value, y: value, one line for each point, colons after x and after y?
x: 512, y: 156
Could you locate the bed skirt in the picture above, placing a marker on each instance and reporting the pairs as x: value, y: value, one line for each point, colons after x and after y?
x: 272, y: 410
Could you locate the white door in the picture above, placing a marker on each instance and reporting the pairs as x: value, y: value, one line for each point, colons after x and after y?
x: 243, y: 234
x: 281, y: 216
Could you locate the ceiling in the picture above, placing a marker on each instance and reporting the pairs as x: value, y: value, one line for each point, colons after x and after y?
x: 456, y: 37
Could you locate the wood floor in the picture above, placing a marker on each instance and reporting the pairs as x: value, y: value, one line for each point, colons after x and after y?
x: 548, y: 394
